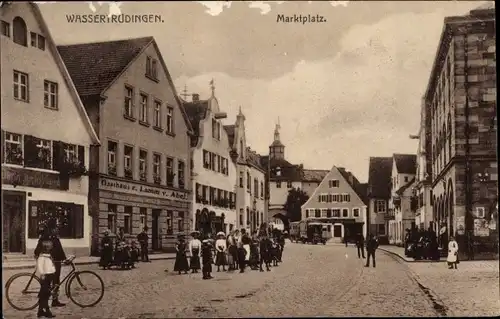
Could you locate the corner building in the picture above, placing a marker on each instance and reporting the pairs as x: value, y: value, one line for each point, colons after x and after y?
x: 140, y: 175
x: 46, y: 138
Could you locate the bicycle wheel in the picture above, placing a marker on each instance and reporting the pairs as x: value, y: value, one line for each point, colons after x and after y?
x: 86, y: 288
x: 21, y: 291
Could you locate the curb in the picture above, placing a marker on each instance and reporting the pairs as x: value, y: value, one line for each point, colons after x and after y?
x: 78, y: 263
x: 410, y: 261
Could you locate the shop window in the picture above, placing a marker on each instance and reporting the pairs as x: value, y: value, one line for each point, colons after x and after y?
x: 69, y: 218
x: 13, y: 149
x: 112, y: 211
x: 127, y: 220
x: 170, y: 230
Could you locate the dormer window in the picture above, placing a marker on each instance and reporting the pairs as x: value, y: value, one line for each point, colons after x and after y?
x: 19, y: 31
x: 278, y: 171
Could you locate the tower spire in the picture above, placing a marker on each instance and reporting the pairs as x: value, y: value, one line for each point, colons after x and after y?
x: 277, y: 130
x: 212, y: 87
x: 185, y: 93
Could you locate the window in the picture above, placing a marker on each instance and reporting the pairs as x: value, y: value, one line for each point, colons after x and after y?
x: 345, y: 212
x: 127, y: 220
x: 50, y: 94
x: 37, y: 152
x: 70, y: 152
x: 37, y: 41
x: 13, y: 148
x: 219, y: 163
x: 129, y: 102
x: 68, y: 216
x: 180, y: 172
x: 143, y: 165
x: 112, y: 211
x: 255, y: 187
x: 345, y: 198
x: 406, y: 179
x: 333, y: 183
x: 480, y: 212
x: 5, y: 29
x: 288, y: 184
x: 170, y: 215
x: 20, y: 31
x: 142, y: 217
x: 180, y: 221
x: 307, y: 213
x: 206, y: 159
x: 241, y: 179
x: 156, y: 168
x: 355, y: 212
x: 170, y: 120
x: 127, y: 161
x: 212, y: 161
x: 328, y: 213
x: 249, y: 182
x: 261, y: 189
x: 278, y: 184
x: 381, y: 229
x: 214, y: 128
x: 241, y: 217
x: 336, y: 212
x: 143, y: 110
x: 21, y: 86
x: 170, y: 171
x: 380, y: 206
x: 157, y: 116
x: 151, y: 68
x: 317, y: 213
x: 112, y: 150
x: 224, y: 166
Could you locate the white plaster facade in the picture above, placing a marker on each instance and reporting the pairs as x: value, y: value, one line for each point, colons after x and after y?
x: 66, y: 122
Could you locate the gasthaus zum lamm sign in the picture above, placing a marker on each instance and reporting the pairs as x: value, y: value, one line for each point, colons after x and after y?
x: 141, y: 190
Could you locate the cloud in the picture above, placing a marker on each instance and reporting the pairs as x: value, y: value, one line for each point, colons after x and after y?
x: 363, y: 102
x: 214, y: 8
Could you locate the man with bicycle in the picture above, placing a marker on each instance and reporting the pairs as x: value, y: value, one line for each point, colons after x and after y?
x: 58, y: 257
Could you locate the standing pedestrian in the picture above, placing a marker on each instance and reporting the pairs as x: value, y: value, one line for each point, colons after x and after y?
x: 143, y: 240
x: 243, y: 250
x: 181, y: 262
x: 452, y: 258
x: 232, y: 251
x: 106, y: 250
x: 46, y: 268
x: 194, y: 251
x: 207, y: 258
x: 407, y: 242
x: 360, y: 244
x: 221, y: 248
x: 371, y: 247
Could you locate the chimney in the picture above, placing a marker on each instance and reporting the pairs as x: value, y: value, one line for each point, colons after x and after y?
x: 196, y: 97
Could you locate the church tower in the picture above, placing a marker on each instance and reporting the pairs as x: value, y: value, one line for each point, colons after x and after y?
x: 277, y: 149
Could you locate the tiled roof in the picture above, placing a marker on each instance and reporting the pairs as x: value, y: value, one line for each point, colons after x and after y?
x: 359, y: 188
x: 289, y: 171
x: 379, y: 177
x: 401, y: 190
x: 196, y: 111
x: 230, y: 129
x: 406, y: 163
x: 254, y: 159
x: 314, y: 175
x: 94, y: 66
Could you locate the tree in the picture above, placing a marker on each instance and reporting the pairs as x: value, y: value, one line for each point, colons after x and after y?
x: 294, y: 201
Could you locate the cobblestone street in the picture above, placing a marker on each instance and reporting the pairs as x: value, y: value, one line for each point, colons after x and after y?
x: 312, y: 281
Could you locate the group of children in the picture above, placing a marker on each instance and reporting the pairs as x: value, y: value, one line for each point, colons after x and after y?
x: 237, y: 251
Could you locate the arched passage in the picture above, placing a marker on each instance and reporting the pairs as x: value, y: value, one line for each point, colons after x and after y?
x: 451, y: 206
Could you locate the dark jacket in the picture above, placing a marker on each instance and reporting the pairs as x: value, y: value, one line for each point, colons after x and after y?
x: 371, y: 245
x: 57, y: 251
x: 360, y: 240
x: 143, y: 239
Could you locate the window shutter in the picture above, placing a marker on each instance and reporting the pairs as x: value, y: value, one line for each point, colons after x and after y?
x: 3, y: 144
x: 81, y: 154
x: 78, y: 220
x: 33, y: 220
x: 30, y: 150
x: 57, y: 154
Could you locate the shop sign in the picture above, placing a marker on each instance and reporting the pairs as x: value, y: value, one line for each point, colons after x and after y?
x: 141, y: 190
x: 30, y: 178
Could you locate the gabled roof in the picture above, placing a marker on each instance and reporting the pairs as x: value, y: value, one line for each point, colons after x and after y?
x: 359, y: 188
x: 406, y: 163
x: 196, y: 111
x: 379, y: 177
x: 230, y: 130
x: 314, y: 175
x: 253, y: 159
x: 95, y: 66
x: 401, y: 190
x: 65, y: 73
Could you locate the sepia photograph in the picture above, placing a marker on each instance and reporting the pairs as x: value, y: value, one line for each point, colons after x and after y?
x: 245, y: 159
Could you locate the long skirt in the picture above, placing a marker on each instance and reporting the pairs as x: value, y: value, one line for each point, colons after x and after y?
x: 181, y: 262
x: 106, y: 257
x: 220, y: 258
x: 195, y: 260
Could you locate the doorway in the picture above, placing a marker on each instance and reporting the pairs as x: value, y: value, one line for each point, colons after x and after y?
x: 14, y: 222
x: 155, y: 234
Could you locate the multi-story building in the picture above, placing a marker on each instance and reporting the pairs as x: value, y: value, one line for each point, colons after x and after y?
x: 282, y: 176
x: 424, y: 217
x: 214, y: 174
x: 46, y: 137
x: 378, y: 196
x: 401, y: 205
x: 251, y: 191
x: 461, y: 102
x: 340, y: 200
x: 140, y: 176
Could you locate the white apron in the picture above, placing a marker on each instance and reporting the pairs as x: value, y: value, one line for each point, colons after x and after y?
x: 247, y: 252
x: 452, y: 252
x: 45, y: 265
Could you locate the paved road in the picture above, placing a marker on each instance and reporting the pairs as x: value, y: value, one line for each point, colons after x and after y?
x: 312, y: 281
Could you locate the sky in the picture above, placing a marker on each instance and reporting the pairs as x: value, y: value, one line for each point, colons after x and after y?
x: 343, y: 90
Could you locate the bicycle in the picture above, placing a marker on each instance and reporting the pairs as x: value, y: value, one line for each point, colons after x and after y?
x: 74, y: 277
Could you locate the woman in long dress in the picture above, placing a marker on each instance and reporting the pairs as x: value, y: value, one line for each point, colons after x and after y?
x: 181, y: 262
x: 194, y: 251
x: 221, y: 248
x: 106, y: 251
x: 452, y: 258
